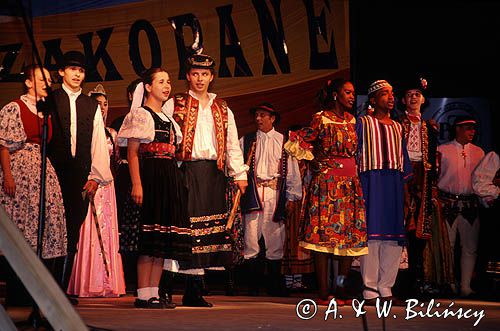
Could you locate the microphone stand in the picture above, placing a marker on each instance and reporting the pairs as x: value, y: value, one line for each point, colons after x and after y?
x: 36, y: 320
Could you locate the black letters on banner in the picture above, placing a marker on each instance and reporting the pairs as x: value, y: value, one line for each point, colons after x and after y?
x: 92, y: 75
x: 134, y: 51
x: 241, y: 68
x: 183, y: 51
x: 12, y: 51
x: 317, y: 25
x: 52, y: 51
x: 274, y: 35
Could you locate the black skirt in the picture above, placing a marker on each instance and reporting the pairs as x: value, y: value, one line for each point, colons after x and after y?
x: 211, y: 245
x: 163, y: 207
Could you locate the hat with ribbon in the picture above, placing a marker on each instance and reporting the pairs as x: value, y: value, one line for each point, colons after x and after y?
x: 266, y: 106
x: 200, y: 61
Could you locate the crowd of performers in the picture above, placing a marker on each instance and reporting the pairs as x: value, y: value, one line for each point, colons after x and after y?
x: 191, y: 196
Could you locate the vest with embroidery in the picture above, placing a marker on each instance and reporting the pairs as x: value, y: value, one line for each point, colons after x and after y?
x: 429, y: 141
x: 186, y: 115
x: 250, y: 200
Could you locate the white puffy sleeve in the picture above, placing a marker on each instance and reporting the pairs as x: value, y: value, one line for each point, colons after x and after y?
x: 482, y: 178
x: 12, y: 134
x: 138, y: 124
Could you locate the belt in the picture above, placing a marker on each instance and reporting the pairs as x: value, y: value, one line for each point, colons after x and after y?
x: 338, y: 166
x: 457, y: 197
x: 271, y: 183
x: 157, y: 150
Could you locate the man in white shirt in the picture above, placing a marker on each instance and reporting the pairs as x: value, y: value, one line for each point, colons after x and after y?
x: 210, y: 153
x: 77, y: 150
x: 458, y: 159
x: 274, y: 179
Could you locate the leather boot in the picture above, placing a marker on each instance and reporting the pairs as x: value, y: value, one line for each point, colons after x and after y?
x: 254, y: 274
x: 276, y: 282
x: 230, y: 287
x: 166, y: 289
x: 192, y: 295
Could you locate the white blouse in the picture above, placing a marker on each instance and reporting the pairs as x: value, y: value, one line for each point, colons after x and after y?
x: 482, y: 178
x: 139, y: 124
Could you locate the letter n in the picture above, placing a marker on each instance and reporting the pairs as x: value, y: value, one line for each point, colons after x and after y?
x: 226, y: 26
x: 273, y: 34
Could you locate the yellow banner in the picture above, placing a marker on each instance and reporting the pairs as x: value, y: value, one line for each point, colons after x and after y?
x: 258, y: 45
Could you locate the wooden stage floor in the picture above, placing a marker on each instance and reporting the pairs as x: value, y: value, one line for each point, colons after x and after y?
x: 267, y: 313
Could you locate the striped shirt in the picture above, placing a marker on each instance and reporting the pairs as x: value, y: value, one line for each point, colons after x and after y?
x: 381, y: 145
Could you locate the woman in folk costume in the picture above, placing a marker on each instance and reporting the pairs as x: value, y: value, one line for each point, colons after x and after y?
x: 151, y: 136
x: 334, y: 220
x: 91, y: 277
x: 20, y: 139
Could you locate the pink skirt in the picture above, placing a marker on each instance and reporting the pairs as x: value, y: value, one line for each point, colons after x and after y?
x: 88, y: 277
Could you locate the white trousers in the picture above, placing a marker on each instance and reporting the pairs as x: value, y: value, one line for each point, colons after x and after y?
x: 469, y: 235
x: 260, y: 223
x: 379, y: 268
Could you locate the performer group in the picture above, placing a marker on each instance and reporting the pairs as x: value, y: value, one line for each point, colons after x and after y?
x: 171, y: 189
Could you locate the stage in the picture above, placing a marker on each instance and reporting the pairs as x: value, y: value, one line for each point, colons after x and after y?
x: 268, y: 313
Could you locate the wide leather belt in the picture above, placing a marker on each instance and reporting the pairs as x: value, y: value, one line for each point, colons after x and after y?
x: 271, y: 183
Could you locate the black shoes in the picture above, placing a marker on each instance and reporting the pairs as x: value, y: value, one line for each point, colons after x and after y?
x: 153, y: 303
x: 195, y: 301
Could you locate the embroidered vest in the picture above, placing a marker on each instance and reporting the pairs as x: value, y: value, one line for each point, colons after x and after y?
x: 186, y: 115
x: 423, y: 223
x: 162, y: 146
x: 250, y: 200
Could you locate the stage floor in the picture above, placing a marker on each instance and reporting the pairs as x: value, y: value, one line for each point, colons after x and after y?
x: 267, y: 313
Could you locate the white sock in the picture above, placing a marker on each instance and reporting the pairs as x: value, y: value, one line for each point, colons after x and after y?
x: 154, y: 292
x: 143, y: 293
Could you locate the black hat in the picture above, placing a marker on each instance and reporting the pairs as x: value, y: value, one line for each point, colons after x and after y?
x: 73, y: 59
x: 415, y: 83
x: 266, y: 106
x: 200, y: 61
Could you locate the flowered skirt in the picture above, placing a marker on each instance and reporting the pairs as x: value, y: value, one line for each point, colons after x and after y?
x: 334, y: 220
x: 23, y: 207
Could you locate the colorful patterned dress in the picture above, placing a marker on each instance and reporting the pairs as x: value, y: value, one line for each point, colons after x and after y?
x: 334, y: 218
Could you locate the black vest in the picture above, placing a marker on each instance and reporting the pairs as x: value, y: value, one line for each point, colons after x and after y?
x: 59, y: 148
x: 250, y: 200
